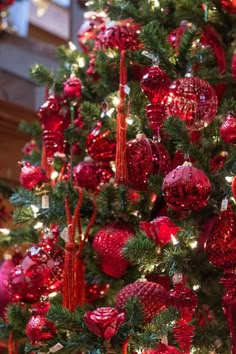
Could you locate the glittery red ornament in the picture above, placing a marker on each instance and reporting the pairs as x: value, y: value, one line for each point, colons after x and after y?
x: 193, y: 100
x: 89, y: 30
x: 87, y: 175
x: 54, y: 115
x: 95, y: 292
x: 155, y: 84
x: 5, y: 269
x: 163, y: 349
x: 229, y: 6
x: 101, y: 143
x: 31, y: 176
x: 120, y: 37
x: 186, y: 188
x: 228, y: 128
x: 108, y: 244
x: 72, y: 87
x: 145, y: 157
x: 104, y: 322
x: 160, y: 230
x: 105, y: 172
x: 39, y: 329
x: 152, y: 296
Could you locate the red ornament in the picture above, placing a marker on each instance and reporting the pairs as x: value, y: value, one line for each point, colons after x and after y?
x: 95, y: 291
x: 120, y: 37
x: 163, y: 349
x: 54, y: 115
x: 179, y: 158
x: 229, y: 6
x: 152, y: 296
x: 105, y: 172
x: 101, y: 143
x: 155, y: 84
x: 233, y: 187
x: 39, y: 329
x: 31, y: 176
x: 160, y: 230
x: 108, y: 244
x: 193, y: 100
x: 218, y: 161
x: 233, y: 65
x: 87, y: 175
x: 156, y: 114
x: 228, y: 128
x: 5, y: 269
x: 89, y: 30
x: 72, y: 87
x: 144, y: 157
x: 186, y: 188
x: 175, y: 36
x: 104, y: 322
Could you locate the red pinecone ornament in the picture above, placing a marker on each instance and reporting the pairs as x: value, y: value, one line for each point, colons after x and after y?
x: 228, y: 128
x: 229, y: 6
x: 39, y: 329
x: 153, y: 298
x: 31, y: 176
x: 186, y: 188
x: 144, y: 157
x: 72, y: 87
x: 108, y: 244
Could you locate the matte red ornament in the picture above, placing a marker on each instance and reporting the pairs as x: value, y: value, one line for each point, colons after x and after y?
x: 229, y: 6
x: 101, y: 143
x: 39, y: 329
x: 89, y: 30
x: 153, y: 298
x: 145, y: 157
x: 186, y: 188
x: 54, y: 115
x: 5, y: 269
x: 87, y: 175
x: 108, y: 244
x: 160, y: 230
x: 192, y: 100
x: 120, y: 37
x: 228, y: 128
x: 155, y: 84
x: 31, y: 176
x: 104, y: 322
x: 163, y: 349
x: 72, y: 87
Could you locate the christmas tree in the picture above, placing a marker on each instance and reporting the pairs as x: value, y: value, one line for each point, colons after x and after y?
x: 126, y: 208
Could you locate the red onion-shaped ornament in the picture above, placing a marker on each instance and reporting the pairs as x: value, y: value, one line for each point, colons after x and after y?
x: 163, y: 349
x: 87, y: 175
x: 119, y: 37
x: 101, y: 143
x: 228, y: 129
x: 229, y: 6
x: 31, y: 176
x: 145, y: 157
x: 155, y: 84
x: 186, y: 188
x: 108, y: 243
x: 39, y: 329
x: 192, y: 100
x: 153, y: 298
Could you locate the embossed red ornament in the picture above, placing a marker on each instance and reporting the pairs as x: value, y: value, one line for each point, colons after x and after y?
x: 120, y: 37
x: 228, y: 128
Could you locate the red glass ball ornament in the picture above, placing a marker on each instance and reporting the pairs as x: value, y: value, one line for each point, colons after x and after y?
x: 5, y: 269
x: 72, y: 87
x: 163, y: 349
x: 31, y: 176
x: 193, y: 100
x: 228, y: 128
x: 153, y: 298
x: 39, y: 329
x: 87, y: 175
x: 101, y: 143
x: 108, y: 243
x: 186, y: 188
x: 144, y: 157
x: 175, y: 36
x: 89, y: 30
x: 155, y: 84
x: 229, y: 6
x: 221, y: 242
x: 104, y: 322
x: 120, y: 37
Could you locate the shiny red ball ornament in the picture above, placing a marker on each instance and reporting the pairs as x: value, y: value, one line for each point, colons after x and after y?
x: 228, y: 128
x: 31, y: 176
x: 192, y: 100
x: 5, y: 269
x: 87, y: 175
x: 186, y: 188
x: 40, y: 329
x: 221, y: 242
x: 108, y: 243
x: 153, y: 298
x: 104, y: 322
x: 229, y: 6
x: 101, y: 143
x: 155, y: 84
x: 54, y: 116
x: 145, y: 157
x: 163, y: 349
x: 72, y: 88
x: 119, y: 37
x: 89, y: 30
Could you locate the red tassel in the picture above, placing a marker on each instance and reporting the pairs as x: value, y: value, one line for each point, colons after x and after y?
x: 121, y: 166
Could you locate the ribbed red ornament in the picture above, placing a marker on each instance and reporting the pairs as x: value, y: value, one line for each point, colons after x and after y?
x: 186, y: 188
x: 192, y: 100
x: 145, y: 157
x: 229, y: 6
x: 108, y: 244
x: 153, y: 297
x: 89, y: 30
x: 155, y: 84
x: 39, y: 329
x: 228, y: 128
x: 31, y: 176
